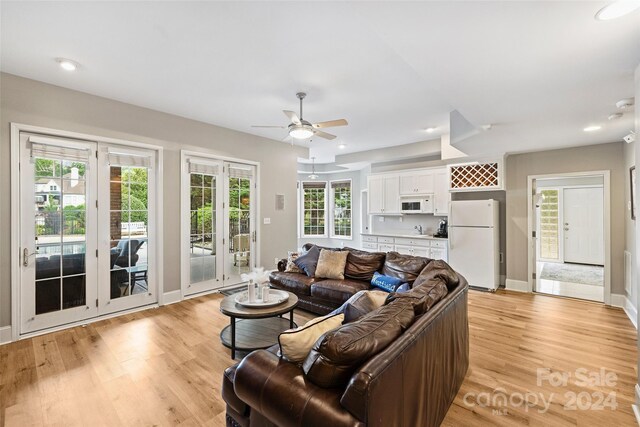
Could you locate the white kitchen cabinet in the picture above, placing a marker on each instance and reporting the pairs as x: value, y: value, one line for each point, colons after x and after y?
x: 404, y: 250
x: 391, y: 194
x: 376, y: 194
x: 417, y: 183
x: 385, y: 247
x: 420, y: 251
x: 384, y: 194
x: 441, y: 193
x: 438, y: 253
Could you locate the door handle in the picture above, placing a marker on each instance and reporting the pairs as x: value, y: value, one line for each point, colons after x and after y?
x: 26, y: 255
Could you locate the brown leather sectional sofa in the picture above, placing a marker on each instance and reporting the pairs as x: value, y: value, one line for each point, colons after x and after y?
x: 322, y: 296
x: 411, y: 382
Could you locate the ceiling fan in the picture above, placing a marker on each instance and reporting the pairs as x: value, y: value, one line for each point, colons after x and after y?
x: 302, y: 129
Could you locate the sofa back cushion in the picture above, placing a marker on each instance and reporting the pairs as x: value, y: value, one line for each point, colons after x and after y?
x: 309, y: 261
x: 361, y: 264
x: 337, y: 354
x: 405, y: 267
x: 331, y: 264
x: 438, y: 268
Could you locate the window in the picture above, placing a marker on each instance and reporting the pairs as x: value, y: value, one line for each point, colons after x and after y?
x: 549, y: 222
x: 341, y: 209
x: 313, y: 208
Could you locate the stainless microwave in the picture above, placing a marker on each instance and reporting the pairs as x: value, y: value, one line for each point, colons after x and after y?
x: 417, y: 205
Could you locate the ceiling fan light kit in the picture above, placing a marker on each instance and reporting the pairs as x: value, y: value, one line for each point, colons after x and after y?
x: 303, y: 129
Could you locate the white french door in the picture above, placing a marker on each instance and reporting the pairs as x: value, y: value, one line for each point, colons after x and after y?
x: 239, y: 213
x: 87, y: 230
x: 58, y: 265
x: 128, y: 235
x: 218, y: 226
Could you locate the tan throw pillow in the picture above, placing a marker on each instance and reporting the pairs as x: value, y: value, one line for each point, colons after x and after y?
x: 331, y: 264
x: 295, y: 344
x: 291, y: 266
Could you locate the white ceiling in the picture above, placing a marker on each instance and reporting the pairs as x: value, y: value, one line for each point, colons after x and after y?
x: 539, y: 71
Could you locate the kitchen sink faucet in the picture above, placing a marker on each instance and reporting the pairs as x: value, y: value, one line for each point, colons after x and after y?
x: 419, y: 228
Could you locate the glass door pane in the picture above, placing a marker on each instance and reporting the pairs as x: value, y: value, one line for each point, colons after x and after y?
x: 549, y: 223
x: 128, y: 225
x: 203, y: 231
x: 240, y: 222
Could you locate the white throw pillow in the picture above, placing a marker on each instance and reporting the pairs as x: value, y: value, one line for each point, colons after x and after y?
x: 295, y: 344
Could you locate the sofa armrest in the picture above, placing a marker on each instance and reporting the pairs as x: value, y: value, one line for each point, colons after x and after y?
x: 282, y: 264
x: 279, y: 391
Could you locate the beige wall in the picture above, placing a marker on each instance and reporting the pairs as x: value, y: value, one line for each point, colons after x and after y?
x: 580, y: 159
x: 35, y: 103
x: 629, y: 224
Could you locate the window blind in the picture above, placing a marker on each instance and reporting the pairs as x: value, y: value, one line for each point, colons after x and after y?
x: 47, y: 148
x: 341, y: 184
x: 315, y: 184
x: 115, y: 158
x: 245, y: 172
x: 199, y: 166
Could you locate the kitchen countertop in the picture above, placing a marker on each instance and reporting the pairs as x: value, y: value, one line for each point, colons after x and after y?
x: 406, y: 236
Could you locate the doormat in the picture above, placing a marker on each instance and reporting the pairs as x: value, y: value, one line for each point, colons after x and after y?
x: 573, y: 273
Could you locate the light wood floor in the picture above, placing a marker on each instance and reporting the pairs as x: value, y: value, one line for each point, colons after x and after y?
x: 164, y: 366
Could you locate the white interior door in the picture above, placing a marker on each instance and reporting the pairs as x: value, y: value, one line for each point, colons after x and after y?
x: 127, y: 228
x: 583, y: 225
x: 202, y: 190
x: 239, y: 213
x: 57, y: 246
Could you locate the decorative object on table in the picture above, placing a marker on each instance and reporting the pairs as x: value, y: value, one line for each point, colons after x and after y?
x: 257, y: 278
x: 632, y: 177
x: 274, y: 297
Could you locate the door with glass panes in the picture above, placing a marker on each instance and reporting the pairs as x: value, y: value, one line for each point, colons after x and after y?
x: 86, y: 231
x: 58, y: 265
x: 219, y: 231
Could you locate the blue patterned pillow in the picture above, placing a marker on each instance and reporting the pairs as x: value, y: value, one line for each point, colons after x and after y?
x: 386, y: 283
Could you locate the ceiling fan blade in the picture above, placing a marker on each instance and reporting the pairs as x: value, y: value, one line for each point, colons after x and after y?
x: 292, y: 116
x: 324, y: 135
x: 261, y: 126
x: 330, y: 124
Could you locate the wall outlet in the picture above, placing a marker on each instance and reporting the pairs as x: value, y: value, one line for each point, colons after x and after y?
x: 399, y: 219
x: 266, y: 221
x: 381, y: 218
x: 276, y: 260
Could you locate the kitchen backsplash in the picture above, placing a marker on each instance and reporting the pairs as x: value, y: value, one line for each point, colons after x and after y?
x: 405, y: 224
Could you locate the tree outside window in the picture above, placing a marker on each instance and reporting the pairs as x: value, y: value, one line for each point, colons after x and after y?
x: 341, y: 208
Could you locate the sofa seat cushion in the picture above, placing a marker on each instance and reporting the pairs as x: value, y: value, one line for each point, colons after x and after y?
x: 404, y: 267
x: 337, y: 290
x: 229, y: 395
x: 298, y: 283
x: 336, y: 355
x: 361, y: 264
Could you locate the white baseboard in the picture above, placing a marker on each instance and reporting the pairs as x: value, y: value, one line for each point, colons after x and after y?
x: 171, y: 297
x: 618, y: 300
x: 5, y: 335
x: 517, y: 285
x: 636, y: 411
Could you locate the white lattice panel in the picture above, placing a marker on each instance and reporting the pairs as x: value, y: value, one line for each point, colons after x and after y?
x: 475, y: 176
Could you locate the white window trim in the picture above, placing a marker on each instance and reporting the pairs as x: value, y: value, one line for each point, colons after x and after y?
x: 332, y: 210
x: 301, y: 210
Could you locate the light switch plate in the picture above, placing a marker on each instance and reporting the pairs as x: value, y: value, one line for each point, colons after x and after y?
x: 266, y: 221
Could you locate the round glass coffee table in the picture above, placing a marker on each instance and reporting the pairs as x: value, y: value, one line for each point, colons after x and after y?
x: 255, y: 328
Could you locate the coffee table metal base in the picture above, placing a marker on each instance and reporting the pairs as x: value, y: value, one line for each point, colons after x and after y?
x: 254, y: 334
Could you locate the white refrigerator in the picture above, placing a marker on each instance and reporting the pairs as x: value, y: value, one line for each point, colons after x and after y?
x: 474, y: 242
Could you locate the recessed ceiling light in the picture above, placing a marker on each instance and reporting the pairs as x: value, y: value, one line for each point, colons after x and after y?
x: 431, y: 129
x: 487, y: 126
x: 615, y: 116
x: 617, y: 9
x: 342, y: 146
x: 625, y: 103
x: 592, y: 128
x: 67, y: 64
